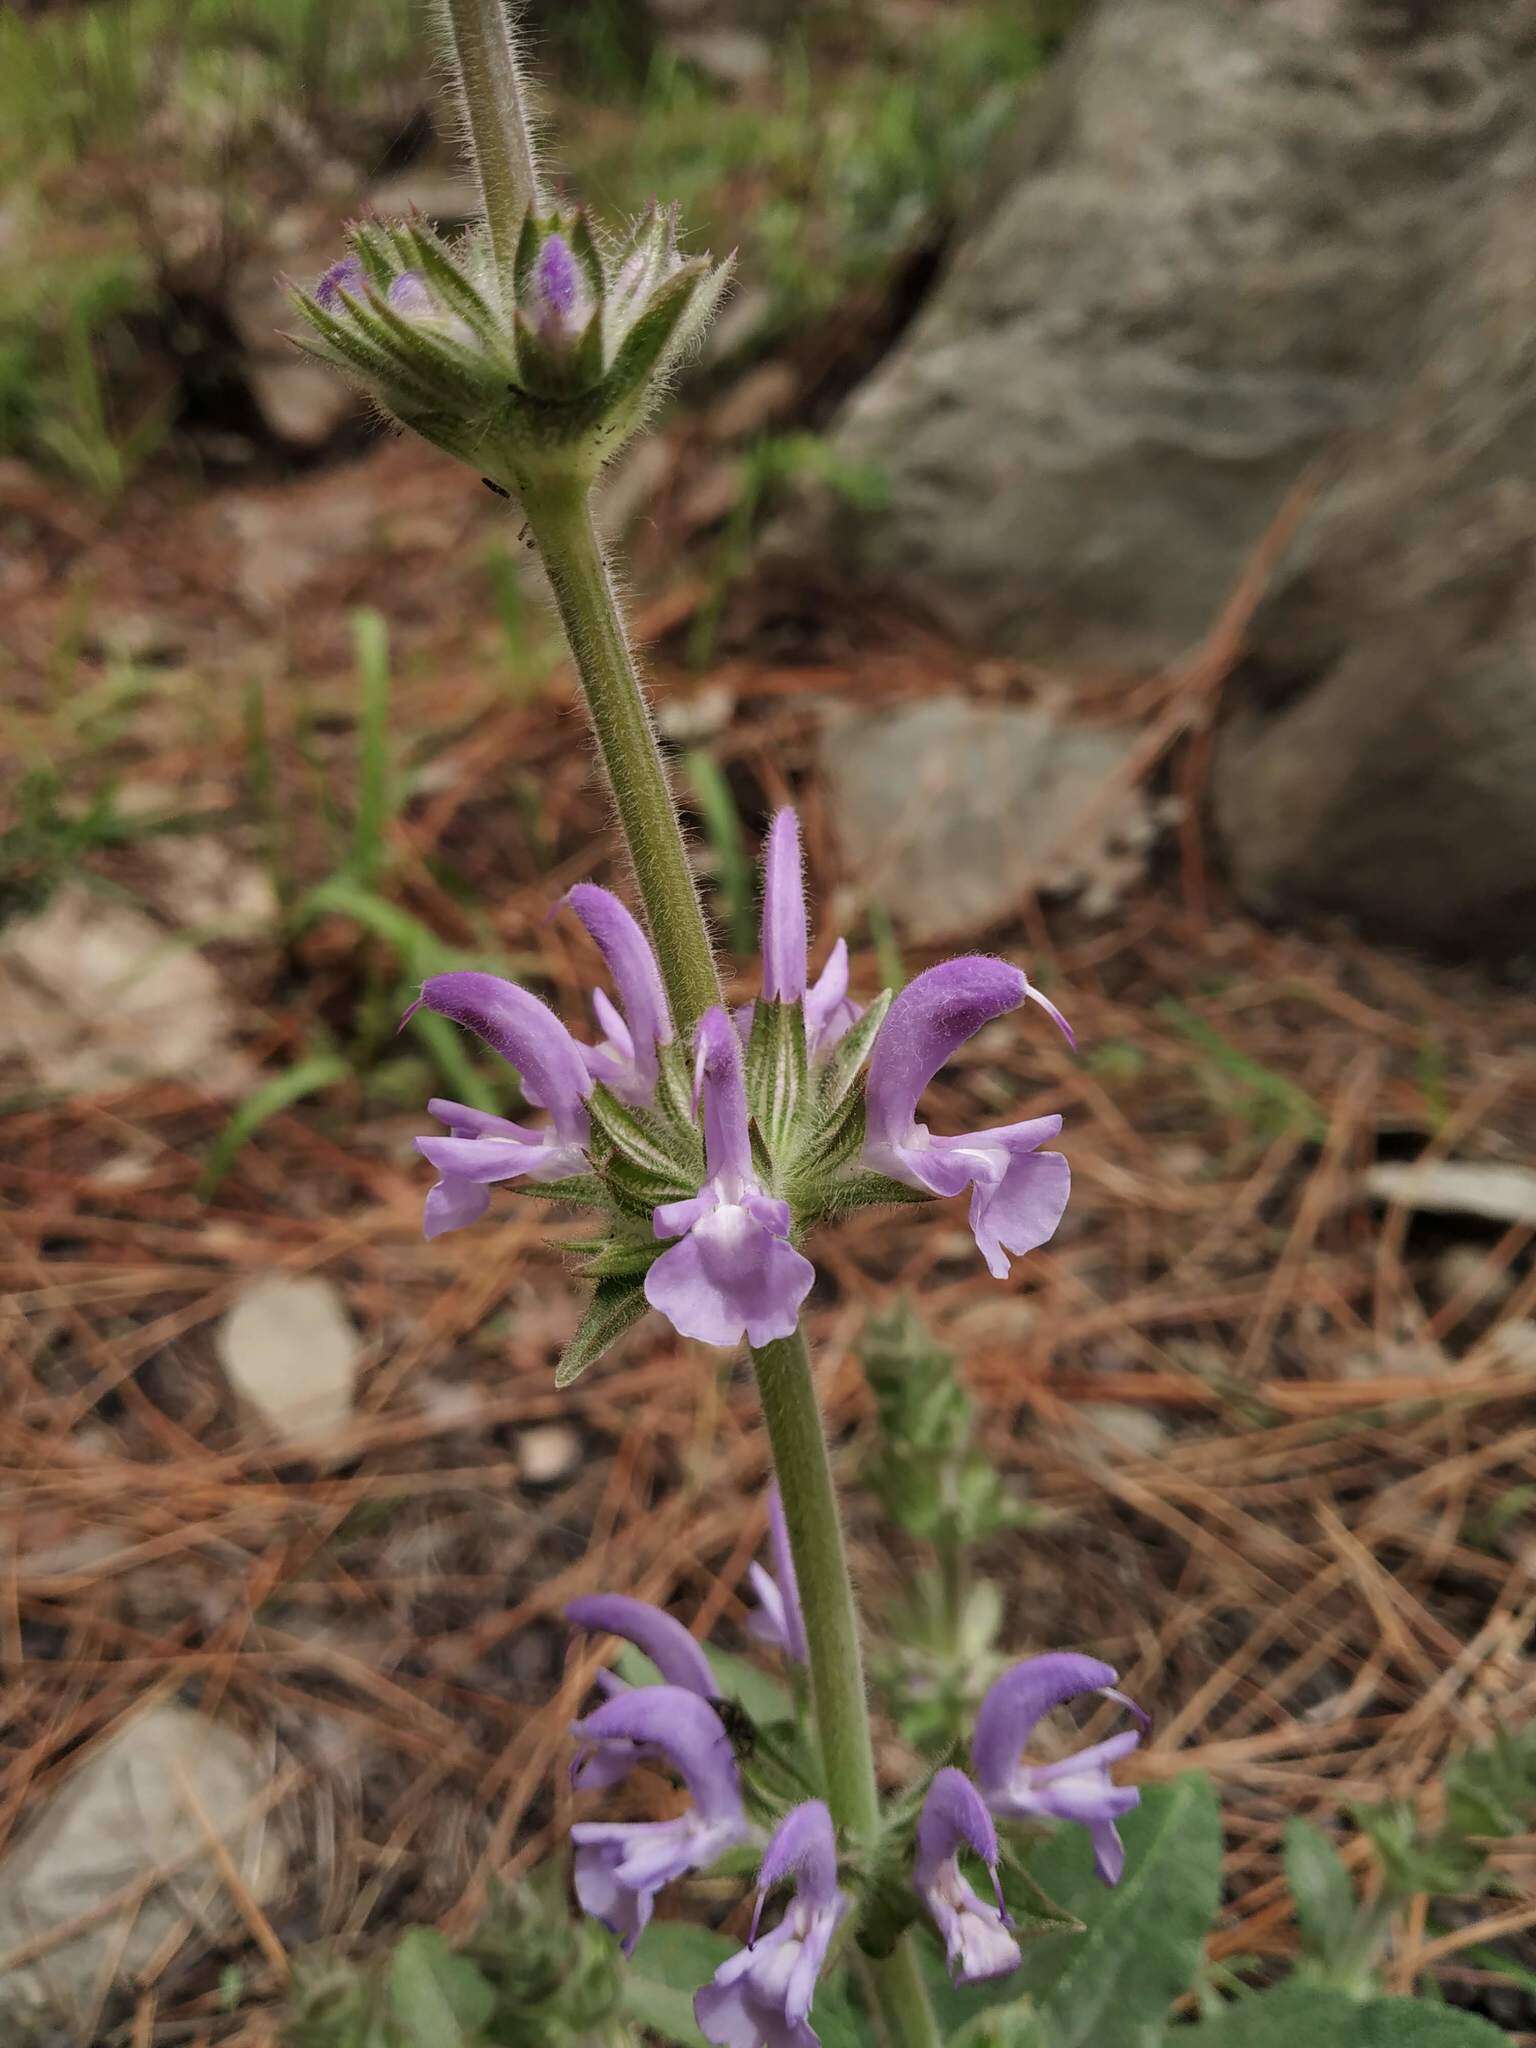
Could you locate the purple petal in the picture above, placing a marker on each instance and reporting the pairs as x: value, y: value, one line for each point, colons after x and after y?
x: 525, y: 1033
x: 769, y: 1622
x: 1108, y: 1851
x: 621, y: 1865
x: 784, y: 1576
x: 556, y: 279
x: 464, y: 1122
x: 929, y: 1021
x: 784, y: 923
x: 730, y: 1278
x: 347, y: 276
x: 676, y: 1219
x: 452, y: 1205
x: 1097, y: 1756
x: 1020, y: 1698
x: 493, y: 1159
x: 659, y: 1635
x: 680, y: 1727
x: 1021, y: 1211
x: 803, y: 1846
x: 828, y: 1011
x: 954, y: 1815
x: 630, y: 960
x: 408, y: 294
x: 719, y: 1085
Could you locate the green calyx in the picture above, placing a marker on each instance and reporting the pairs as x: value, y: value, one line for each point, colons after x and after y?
x: 533, y: 380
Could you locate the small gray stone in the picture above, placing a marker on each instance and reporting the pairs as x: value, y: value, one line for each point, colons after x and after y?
x: 1459, y: 1187
x: 1137, y: 1430
x: 289, y: 1349
x: 951, y: 813
x: 146, y: 1800
x: 98, y: 994
x: 547, y: 1453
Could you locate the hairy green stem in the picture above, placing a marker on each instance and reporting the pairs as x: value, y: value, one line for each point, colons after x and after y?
x: 788, y: 1394
x: 560, y: 517
x: 492, y: 101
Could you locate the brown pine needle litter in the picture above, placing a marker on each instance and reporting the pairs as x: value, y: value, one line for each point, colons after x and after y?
x: 1278, y: 1451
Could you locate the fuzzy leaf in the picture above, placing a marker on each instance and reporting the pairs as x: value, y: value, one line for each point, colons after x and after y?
x: 616, y: 1306
x: 1297, y: 2013
x: 853, y: 1049
x: 657, y: 1150
x: 776, y: 1068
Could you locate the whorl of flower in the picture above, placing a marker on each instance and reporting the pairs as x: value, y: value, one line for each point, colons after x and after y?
x: 778, y: 1621
x: 733, y: 1272
x: 622, y: 1865
x: 761, y: 1997
x: 1077, y: 1788
x: 546, y: 372
x: 976, y: 1933
x: 1018, y: 1193
x: 709, y: 1182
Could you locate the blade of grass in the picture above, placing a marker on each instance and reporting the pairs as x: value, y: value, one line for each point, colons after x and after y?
x: 370, y: 639
x: 321, y: 1070
x: 722, y: 828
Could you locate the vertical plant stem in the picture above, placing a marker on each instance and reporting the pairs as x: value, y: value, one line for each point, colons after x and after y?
x: 491, y: 98
x: 560, y: 517
x: 788, y: 1394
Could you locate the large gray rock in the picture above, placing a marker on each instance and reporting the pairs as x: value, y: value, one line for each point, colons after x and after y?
x: 1379, y: 757
x: 1203, y: 257
x: 1235, y: 234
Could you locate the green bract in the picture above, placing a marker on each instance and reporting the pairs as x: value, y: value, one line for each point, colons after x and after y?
x: 532, y: 377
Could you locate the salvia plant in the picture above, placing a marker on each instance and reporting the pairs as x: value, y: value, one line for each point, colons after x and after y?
x: 710, y: 1145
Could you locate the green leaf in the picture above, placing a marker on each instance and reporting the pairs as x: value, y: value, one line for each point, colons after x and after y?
x: 673, y: 1959
x: 322, y: 1070
x: 853, y: 1049
x: 764, y: 1698
x: 1111, y: 1986
x: 1296, y: 2015
x: 440, y: 1999
x: 616, y: 1306
x: 1320, y: 1885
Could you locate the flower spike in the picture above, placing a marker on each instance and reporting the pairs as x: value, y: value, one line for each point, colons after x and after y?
x: 1079, y: 1787
x: 1018, y: 1193
x: 761, y: 1997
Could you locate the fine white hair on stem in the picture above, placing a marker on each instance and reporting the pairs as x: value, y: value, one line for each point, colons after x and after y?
x: 480, y: 45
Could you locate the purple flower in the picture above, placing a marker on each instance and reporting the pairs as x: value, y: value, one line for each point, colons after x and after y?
x: 408, y: 294
x: 626, y: 1061
x: 1018, y: 1193
x: 734, y: 1272
x: 480, y: 1148
x: 827, y: 1009
x: 621, y: 1865
x: 778, y: 1620
x: 346, y: 275
x: 662, y: 1638
x: 976, y: 1936
x: 761, y: 1996
x: 559, y: 300
x: 1077, y: 1788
